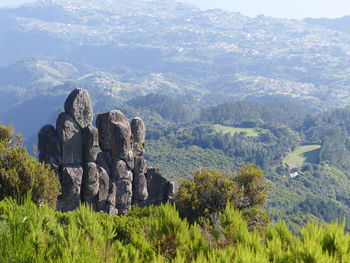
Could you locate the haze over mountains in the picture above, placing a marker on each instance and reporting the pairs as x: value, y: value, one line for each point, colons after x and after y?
x: 339, y: 24
x: 14, y: 2
x: 122, y: 49
x: 185, y: 72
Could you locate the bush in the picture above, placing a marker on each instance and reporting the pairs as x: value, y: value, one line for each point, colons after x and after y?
x: 22, y: 175
x: 30, y: 233
x: 207, y: 194
x: 211, y: 191
x: 250, y: 181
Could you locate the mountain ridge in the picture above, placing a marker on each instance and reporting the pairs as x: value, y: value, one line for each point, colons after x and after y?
x: 338, y: 24
x: 121, y: 51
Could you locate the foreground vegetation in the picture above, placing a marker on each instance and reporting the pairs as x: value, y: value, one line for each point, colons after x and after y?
x: 22, y: 175
x: 215, y: 217
x: 29, y: 233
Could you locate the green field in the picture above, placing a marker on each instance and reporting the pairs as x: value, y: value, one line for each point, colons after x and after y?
x: 232, y: 130
x: 304, y: 154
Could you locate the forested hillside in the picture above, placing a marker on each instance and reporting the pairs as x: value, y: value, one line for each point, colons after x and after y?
x: 282, y: 136
x: 339, y: 24
x: 216, y: 89
x: 119, y: 50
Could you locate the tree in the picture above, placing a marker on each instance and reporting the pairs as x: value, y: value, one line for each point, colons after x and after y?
x: 250, y: 180
x: 211, y: 191
x: 208, y: 193
x: 21, y: 174
x: 10, y: 138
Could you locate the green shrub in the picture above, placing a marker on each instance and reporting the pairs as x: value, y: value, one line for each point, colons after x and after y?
x: 30, y: 233
x: 10, y: 138
x: 21, y: 174
x: 211, y: 191
x: 208, y: 193
x: 250, y: 180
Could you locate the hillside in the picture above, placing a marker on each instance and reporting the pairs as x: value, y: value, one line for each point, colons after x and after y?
x: 118, y: 51
x: 214, y: 54
x: 198, y: 79
x: 339, y: 24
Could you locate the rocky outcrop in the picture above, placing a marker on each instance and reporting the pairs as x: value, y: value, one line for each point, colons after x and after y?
x: 159, y: 188
x: 138, y: 130
x: 78, y: 105
x: 140, y: 182
x: 71, y: 177
x: 103, y: 166
x: 49, y: 147
x: 71, y: 139
x: 91, y: 146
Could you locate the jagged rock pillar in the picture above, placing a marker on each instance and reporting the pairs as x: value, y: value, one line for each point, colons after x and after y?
x: 103, y: 166
x: 115, y: 142
x: 71, y: 181
x: 140, y: 192
x: 160, y: 189
x: 71, y: 141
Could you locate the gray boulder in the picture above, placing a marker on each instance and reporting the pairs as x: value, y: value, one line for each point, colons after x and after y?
x: 78, y: 105
x: 104, y: 159
x: 104, y: 123
x: 103, y: 190
x: 138, y: 130
x: 124, y: 196
x: 140, y: 192
x: 160, y: 189
x: 121, y: 140
x: 112, y: 210
x: 91, y: 181
x: 112, y: 193
x: 71, y: 179
x: 140, y: 165
x: 95, y: 187
x: 48, y: 141
x: 109, y: 180
x: 90, y: 144
x: 130, y: 160
x: 120, y: 171
x: 71, y: 139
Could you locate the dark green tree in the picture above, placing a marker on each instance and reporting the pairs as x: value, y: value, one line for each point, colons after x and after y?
x: 21, y: 174
x: 211, y: 191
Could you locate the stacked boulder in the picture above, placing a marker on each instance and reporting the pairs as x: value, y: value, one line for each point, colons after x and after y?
x: 103, y: 166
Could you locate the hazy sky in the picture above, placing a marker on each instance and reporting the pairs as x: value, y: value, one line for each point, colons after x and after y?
x: 277, y: 8
x: 14, y: 2
x: 281, y: 8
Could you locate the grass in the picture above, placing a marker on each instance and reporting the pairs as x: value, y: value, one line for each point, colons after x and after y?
x: 304, y: 154
x: 45, y: 66
x: 232, y: 130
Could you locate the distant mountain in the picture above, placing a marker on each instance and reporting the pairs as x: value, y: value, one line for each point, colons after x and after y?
x: 340, y: 24
x: 204, y: 48
x: 168, y: 62
x: 32, y: 91
x: 121, y: 49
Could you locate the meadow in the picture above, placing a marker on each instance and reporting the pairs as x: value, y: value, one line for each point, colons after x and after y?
x: 233, y: 130
x: 304, y: 154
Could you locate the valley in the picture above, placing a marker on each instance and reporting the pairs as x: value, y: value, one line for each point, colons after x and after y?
x: 215, y: 89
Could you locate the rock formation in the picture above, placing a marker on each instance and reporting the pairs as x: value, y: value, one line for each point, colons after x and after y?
x: 103, y: 166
